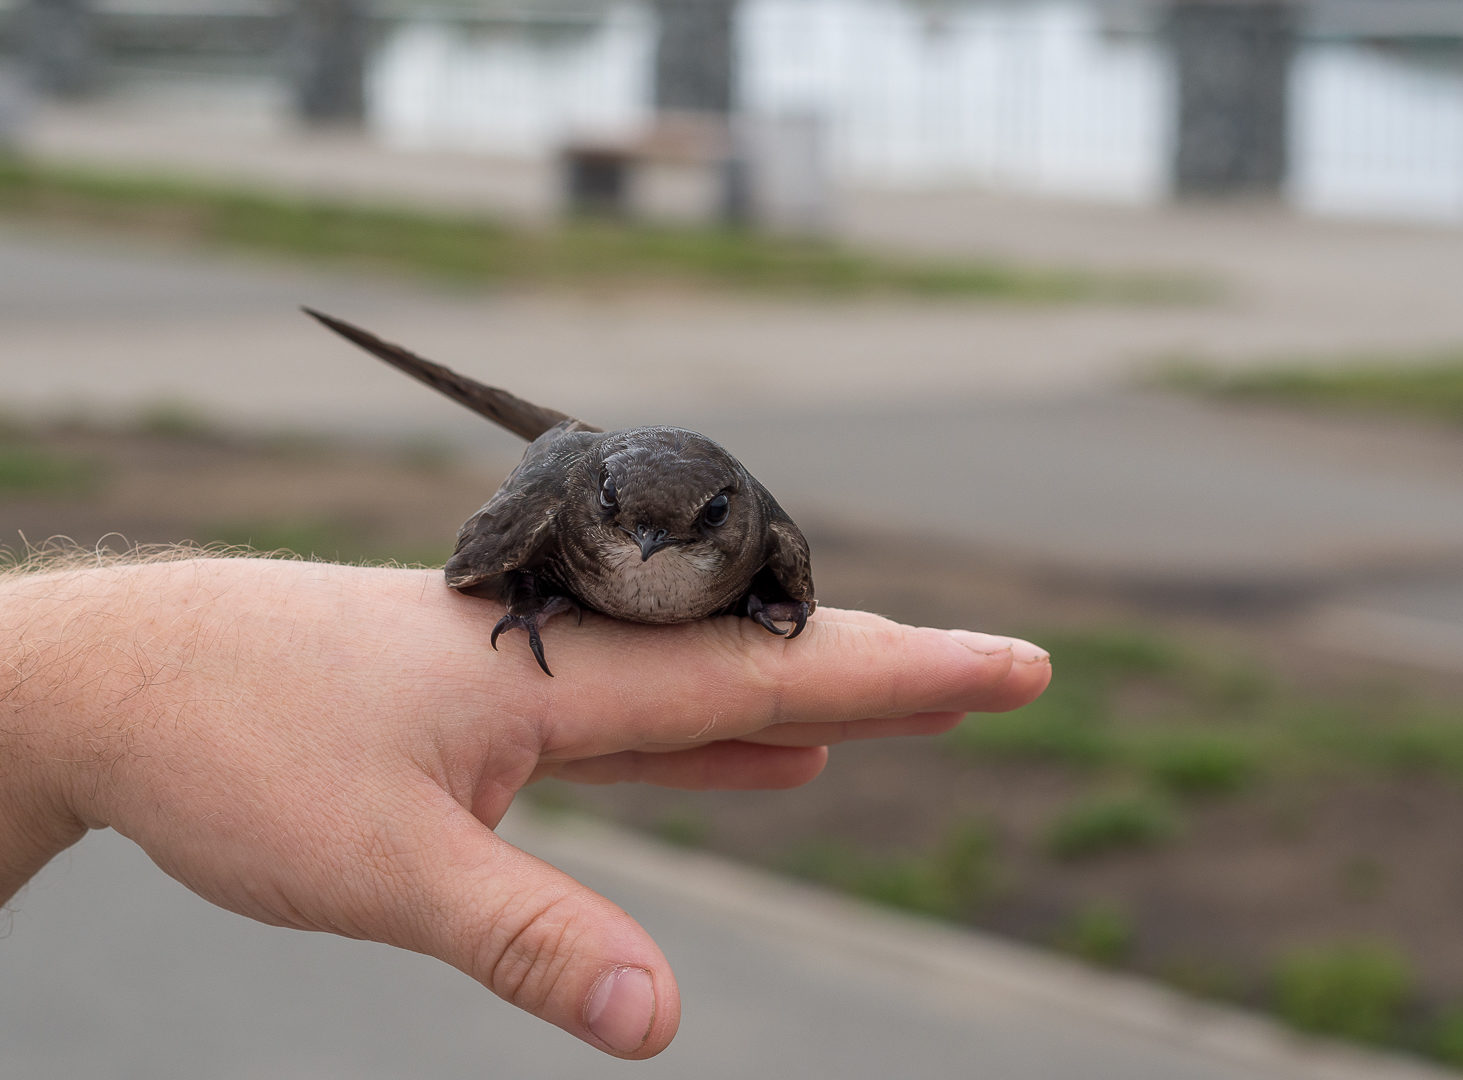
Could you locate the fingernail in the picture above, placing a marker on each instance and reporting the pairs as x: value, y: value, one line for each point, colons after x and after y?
x: 985, y: 644
x: 1023, y: 652
x: 621, y: 1008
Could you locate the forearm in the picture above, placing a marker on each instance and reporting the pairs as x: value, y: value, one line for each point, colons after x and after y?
x: 32, y: 832
x: 87, y: 657
x: 39, y: 641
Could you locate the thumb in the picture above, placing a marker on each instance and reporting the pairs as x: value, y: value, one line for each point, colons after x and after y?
x: 534, y: 936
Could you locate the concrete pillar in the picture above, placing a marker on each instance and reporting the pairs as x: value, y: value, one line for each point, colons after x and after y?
x: 58, y: 42
x: 15, y: 105
x: 786, y: 187
x: 327, y: 46
x: 694, y: 73
x: 693, y: 56
x: 1232, y: 59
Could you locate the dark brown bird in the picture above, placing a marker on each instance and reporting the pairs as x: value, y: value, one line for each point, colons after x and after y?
x: 649, y: 524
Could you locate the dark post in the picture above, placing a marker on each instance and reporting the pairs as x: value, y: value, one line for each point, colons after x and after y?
x: 693, y: 57
x: 328, y: 40
x: 695, y: 73
x: 14, y: 107
x: 59, y: 43
x: 1232, y: 58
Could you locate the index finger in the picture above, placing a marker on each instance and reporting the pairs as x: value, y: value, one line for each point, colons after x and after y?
x: 621, y: 686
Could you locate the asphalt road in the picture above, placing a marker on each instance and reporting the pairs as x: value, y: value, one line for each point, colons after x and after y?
x: 112, y: 970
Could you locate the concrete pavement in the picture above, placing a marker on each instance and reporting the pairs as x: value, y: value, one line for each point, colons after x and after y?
x: 1288, y: 284
x: 111, y: 970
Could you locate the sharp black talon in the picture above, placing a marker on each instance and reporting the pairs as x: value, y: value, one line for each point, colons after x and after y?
x: 535, y: 643
x: 761, y: 619
x: 802, y: 621
x: 529, y: 613
x: 536, y: 646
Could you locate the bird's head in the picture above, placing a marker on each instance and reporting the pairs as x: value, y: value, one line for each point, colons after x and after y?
x: 659, y: 488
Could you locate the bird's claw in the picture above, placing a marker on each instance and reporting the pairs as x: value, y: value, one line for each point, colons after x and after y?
x: 531, y: 622
x: 535, y: 643
x: 762, y: 619
x: 768, y: 615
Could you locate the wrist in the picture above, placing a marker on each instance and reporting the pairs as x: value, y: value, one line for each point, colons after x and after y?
x: 59, y: 634
x: 36, y: 823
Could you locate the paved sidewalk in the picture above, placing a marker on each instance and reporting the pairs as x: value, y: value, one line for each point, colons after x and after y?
x: 1290, y: 285
x: 111, y: 970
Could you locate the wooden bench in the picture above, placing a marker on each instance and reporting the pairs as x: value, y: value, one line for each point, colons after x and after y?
x: 601, y: 176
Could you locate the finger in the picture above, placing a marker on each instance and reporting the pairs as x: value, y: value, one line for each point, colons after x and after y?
x: 1027, y: 679
x: 1030, y: 674
x: 724, y: 679
x: 853, y: 730
x: 451, y: 888
x: 726, y: 766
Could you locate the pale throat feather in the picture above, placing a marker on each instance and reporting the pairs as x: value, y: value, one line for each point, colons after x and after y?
x: 670, y: 586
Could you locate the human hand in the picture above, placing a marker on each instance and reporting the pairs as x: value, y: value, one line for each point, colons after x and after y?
x: 329, y: 748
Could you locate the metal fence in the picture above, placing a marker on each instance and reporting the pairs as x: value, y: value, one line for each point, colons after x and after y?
x: 1341, y: 105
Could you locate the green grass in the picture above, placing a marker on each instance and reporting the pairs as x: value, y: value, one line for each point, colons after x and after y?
x: 952, y: 880
x: 1196, y: 763
x: 553, y: 798
x: 476, y: 249
x: 1102, y: 933
x: 1073, y: 721
x: 1414, y: 741
x: 27, y: 470
x: 1354, y: 990
x: 1445, y: 1040
x: 1138, y: 709
x: 1103, y: 680
x: 174, y: 420
x: 1104, y: 823
x: 1064, y: 725
x: 684, y: 826
x: 1427, y: 386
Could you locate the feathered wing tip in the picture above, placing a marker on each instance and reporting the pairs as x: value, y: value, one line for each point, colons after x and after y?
x: 523, y: 418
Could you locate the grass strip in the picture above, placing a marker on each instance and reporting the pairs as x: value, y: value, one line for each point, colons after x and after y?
x: 1133, y: 706
x: 1426, y: 386
x: 477, y: 249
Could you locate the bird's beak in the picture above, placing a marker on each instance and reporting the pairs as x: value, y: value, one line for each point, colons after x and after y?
x: 651, y: 540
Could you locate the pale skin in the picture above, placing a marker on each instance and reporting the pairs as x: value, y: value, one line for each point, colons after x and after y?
x: 330, y: 748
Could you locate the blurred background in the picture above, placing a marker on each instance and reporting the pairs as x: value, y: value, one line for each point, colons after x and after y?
x: 1130, y: 326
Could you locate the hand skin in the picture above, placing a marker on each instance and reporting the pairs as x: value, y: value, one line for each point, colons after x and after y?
x: 329, y: 748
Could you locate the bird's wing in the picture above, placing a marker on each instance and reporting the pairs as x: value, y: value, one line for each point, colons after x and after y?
x: 517, y: 527
x: 523, y: 418
x: 789, y: 559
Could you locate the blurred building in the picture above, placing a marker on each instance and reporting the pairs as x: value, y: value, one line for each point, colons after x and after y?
x: 1339, y: 106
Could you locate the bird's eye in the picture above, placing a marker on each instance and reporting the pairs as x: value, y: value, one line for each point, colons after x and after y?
x: 716, y: 511
x: 609, y: 498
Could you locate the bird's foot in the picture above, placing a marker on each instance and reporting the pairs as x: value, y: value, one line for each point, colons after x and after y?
x: 768, y: 615
x: 532, y: 619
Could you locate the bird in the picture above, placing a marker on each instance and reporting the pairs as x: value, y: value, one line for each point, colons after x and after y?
x: 646, y: 524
